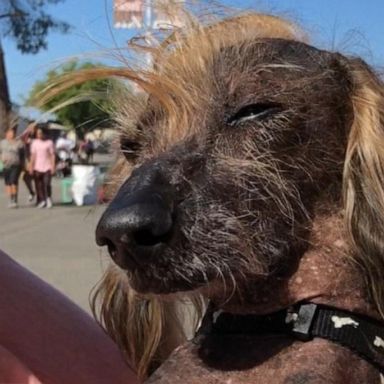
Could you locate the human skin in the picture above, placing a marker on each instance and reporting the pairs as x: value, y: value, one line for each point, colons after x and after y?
x: 12, y: 370
x: 10, y: 189
x: 46, y: 338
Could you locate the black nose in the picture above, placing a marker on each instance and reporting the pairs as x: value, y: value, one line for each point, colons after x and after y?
x: 136, y: 228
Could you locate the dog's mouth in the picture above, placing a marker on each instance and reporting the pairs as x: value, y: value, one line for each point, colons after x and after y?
x: 160, y: 269
x: 162, y: 284
x: 163, y: 280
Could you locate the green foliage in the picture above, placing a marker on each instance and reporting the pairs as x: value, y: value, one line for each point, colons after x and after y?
x: 26, y: 22
x: 84, y: 106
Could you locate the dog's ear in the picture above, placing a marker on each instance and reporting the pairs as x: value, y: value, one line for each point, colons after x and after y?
x: 364, y: 177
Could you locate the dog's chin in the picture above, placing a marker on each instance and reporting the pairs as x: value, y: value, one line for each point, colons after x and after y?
x: 144, y: 284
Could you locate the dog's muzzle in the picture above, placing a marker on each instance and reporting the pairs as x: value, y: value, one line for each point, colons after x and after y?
x: 138, y: 224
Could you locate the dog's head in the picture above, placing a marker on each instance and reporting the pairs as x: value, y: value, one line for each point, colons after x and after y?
x: 245, y: 133
x: 248, y: 136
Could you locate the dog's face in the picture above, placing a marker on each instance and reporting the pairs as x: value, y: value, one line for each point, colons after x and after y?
x: 229, y: 196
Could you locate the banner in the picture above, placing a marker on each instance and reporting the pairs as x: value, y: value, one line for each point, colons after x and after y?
x: 128, y: 13
x: 163, y: 14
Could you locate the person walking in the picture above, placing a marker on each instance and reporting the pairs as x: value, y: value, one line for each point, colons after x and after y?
x: 28, y: 136
x: 11, y: 150
x: 64, y: 151
x: 43, y: 167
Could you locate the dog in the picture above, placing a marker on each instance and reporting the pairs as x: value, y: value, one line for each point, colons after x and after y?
x: 252, y: 182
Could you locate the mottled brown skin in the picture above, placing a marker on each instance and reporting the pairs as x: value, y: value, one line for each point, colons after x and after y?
x: 324, y: 276
x: 257, y: 202
x: 281, y: 362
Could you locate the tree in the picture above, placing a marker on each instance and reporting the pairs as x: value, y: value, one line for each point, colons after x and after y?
x: 83, y: 106
x: 25, y: 22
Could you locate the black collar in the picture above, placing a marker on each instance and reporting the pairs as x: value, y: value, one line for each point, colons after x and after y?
x: 304, y: 321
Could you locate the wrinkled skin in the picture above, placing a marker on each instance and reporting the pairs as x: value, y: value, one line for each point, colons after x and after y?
x: 229, y: 208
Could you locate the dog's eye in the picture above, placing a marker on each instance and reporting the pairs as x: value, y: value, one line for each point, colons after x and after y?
x: 129, y: 148
x: 259, y: 111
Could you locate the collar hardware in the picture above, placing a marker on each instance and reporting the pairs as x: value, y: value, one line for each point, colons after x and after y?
x: 303, y: 321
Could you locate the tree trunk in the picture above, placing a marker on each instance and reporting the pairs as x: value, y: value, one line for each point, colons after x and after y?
x: 5, y: 104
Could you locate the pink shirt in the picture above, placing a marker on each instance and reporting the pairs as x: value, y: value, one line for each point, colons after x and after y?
x: 43, y: 151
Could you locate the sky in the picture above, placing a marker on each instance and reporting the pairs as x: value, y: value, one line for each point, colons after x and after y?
x: 350, y: 26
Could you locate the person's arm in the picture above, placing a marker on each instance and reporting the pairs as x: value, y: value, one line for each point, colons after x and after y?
x: 53, y: 157
x: 33, y: 158
x: 2, y: 157
x: 12, y: 370
x: 51, y: 336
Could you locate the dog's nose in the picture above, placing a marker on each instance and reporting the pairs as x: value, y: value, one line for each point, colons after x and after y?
x: 137, y: 229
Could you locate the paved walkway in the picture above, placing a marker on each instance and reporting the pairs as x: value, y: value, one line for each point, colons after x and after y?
x: 56, y: 244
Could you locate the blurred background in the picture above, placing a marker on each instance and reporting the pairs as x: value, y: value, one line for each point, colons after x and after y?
x: 41, y: 39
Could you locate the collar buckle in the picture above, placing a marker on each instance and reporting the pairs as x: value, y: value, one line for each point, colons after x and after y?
x: 302, y: 319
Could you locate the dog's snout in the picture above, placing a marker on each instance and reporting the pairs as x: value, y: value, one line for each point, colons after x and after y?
x: 136, y: 231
